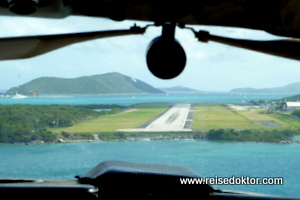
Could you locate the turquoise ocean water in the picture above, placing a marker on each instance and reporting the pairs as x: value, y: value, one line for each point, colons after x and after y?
x: 127, y: 99
x: 209, y: 159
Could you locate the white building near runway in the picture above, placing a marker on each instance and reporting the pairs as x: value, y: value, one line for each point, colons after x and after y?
x: 288, y: 106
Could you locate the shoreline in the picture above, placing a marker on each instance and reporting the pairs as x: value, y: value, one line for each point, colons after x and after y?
x: 144, y: 138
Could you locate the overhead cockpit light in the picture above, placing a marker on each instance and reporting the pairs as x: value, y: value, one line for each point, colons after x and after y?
x: 166, y: 59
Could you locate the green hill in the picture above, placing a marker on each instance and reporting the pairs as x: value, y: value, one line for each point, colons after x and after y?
x: 109, y: 83
x: 291, y: 88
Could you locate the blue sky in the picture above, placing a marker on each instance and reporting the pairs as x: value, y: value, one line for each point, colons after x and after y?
x: 210, y: 66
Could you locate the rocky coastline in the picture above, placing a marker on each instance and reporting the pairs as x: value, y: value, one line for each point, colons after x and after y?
x: 144, y: 138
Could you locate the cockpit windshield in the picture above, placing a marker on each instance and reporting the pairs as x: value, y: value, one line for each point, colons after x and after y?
x: 232, y: 115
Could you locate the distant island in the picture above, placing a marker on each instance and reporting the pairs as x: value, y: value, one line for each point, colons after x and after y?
x: 291, y: 88
x: 178, y: 89
x: 109, y: 83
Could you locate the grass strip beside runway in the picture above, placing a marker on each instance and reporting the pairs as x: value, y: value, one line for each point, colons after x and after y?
x: 218, y: 116
x: 109, y: 123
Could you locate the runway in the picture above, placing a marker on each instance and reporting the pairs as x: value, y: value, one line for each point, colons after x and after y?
x: 173, y: 120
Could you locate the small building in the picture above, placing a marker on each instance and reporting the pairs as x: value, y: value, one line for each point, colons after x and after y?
x: 289, y: 106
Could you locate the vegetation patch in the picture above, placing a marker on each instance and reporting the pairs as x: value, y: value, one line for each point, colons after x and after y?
x: 296, y: 113
x: 252, y: 135
x: 25, y: 136
x: 26, y: 123
x: 76, y: 136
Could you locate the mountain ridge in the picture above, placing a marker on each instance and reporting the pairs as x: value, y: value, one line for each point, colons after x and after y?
x: 108, y: 83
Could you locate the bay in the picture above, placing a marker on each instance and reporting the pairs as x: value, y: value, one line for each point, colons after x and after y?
x: 129, y: 99
x: 209, y: 159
